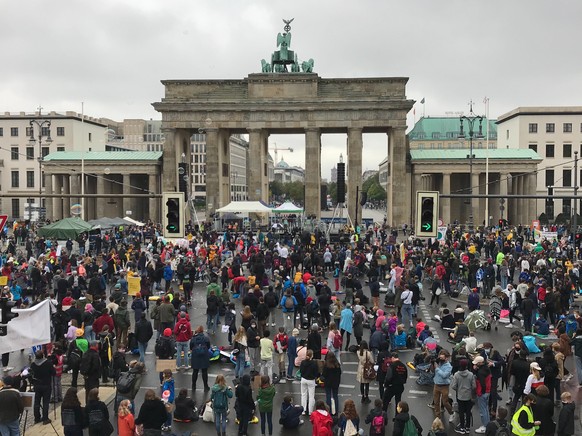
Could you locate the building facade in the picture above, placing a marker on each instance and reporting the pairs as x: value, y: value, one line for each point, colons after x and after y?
x: 555, y: 134
x: 286, y: 173
x: 442, y: 133
x: 23, y: 147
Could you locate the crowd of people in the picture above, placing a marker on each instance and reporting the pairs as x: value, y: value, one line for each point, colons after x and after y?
x: 293, y: 307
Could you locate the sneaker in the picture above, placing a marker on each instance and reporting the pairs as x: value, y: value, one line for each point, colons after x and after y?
x: 290, y: 378
x: 480, y: 430
x: 431, y: 405
x: 452, y: 418
x: 301, y: 422
x: 459, y: 429
x: 467, y: 431
x: 509, y: 326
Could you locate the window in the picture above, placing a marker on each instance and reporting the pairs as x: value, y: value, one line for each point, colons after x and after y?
x: 436, y: 135
x: 550, y: 127
x: 507, y: 134
x: 1, y: 131
x: 549, y: 177
x: 30, y: 179
x: 45, y: 131
x: 451, y: 135
x: 533, y: 147
x: 45, y: 151
x: 13, y: 131
x: 549, y: 150
x: 566, y: 206
x: 533, y: 127
x: 14, y: 153
x: 16, y: 207
x: 29, y: 153
x: 567, y: 128
x: 60, y: 148
x: 567, y: 150
x: 60, y: 131
x: 567, y: 178
x: 29, y: 132
x: 90, y: 137
x: 15, y: 179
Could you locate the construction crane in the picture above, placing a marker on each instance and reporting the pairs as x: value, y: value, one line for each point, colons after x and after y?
x: 276, y: 149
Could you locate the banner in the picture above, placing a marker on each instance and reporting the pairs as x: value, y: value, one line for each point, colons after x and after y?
x: 133, y: 285
x: 32, y: 327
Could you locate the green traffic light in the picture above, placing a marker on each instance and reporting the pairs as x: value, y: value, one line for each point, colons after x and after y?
x: 427, y: 227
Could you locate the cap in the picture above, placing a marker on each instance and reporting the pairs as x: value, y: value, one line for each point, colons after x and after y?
x: 168, y: 332
x: 478, y: 360
x: 295, y: 332
x: 535, y: 365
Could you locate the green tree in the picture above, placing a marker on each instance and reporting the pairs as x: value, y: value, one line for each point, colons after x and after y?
x: 276, y: 188
x: 295, y: 191
x: 375, y: 191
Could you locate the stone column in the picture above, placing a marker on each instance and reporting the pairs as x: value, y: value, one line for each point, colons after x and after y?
x: 503, y: 190
x: 254, y: 165
x: 66, y: 200
x: 48, y: 189
x: 169, y: 162
x: 101, y: 201
x: 398, y: 199
x: 127, y: 201
x: 58, y: 201
x: 312, y: 172
x: 212, y: 172
x: 224, y: 166
x: 532, y: 202
x: 475, y: 201
x: 355, y: 145
x: 519, y: 201
x: 154, y: 203
x: 75, y: 187
x: 445, y: 205
x: 417, y: 187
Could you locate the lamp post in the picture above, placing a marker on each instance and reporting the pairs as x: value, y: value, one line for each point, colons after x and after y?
x: 575, y: 220
x: 43, y: 126
x: 471, y: 119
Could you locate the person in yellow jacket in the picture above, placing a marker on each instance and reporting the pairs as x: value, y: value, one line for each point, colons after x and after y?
x: 522, y: 423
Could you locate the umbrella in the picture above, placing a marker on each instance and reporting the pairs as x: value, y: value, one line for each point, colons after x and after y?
x: 476, y: 320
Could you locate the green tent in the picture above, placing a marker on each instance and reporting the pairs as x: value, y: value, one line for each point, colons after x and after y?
x: 65, y: 228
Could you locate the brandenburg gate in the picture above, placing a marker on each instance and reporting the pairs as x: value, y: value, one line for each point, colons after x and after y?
x: 278, y: 101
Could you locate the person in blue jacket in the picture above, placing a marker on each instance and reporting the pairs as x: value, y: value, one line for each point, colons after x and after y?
x: 291, y: 353
x: 290, y: 413
x: 346, y: 323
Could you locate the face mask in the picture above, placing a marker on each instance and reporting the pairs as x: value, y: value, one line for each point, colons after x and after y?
x: 253, y: 326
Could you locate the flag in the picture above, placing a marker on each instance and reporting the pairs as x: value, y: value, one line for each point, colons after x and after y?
x: 422, y: 101
x: 31, y: 328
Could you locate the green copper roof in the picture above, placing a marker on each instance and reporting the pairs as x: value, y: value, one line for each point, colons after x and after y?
x: 446, y: 128
x: 455, y: 154
x: 104, y: 155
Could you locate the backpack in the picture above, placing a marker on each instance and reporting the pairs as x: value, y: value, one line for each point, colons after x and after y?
x: 571, y: 327
x: 410, y: 428
x: 199, y: 348
x: 350, y: 429
x: 368, y: 370
x: 162, y: 348
x: 337, y: 341
x: 118, y: 365
x: 299, y: 295
x: 219, y: 400
x: 289, y: 304
x: 378, y: 424
x: 74, y: 358
x: 502, y: 430
x: 125, y: 382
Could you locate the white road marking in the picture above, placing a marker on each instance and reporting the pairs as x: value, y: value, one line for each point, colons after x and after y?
x: 418, y: 392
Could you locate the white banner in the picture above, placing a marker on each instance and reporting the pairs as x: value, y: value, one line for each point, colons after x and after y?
x: 32, y: 327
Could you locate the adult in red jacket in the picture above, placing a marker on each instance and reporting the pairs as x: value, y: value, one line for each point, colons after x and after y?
x: 103, y: 320
x: 183, y: 334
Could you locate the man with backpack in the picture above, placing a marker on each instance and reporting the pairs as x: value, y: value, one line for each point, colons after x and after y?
x: 288, y: 303
x: 143, y: 334
x: 129, y: 383
x: 90, y: 367
x: 299, y: 294
x: 74, y: 354
x: 396, y: 376
x: 183, y: 334
x: 200, y: 359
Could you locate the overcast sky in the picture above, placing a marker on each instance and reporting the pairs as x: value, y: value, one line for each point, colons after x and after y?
x: 112, y: 54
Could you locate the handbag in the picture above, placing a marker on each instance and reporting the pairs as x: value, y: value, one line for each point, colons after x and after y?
x: 368, y: 371
x: 208, y: 414
x: 438, y: 291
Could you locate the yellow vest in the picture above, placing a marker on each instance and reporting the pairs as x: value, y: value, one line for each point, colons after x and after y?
x: 518, y: 429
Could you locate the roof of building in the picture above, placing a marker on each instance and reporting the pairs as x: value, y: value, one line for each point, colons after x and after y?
x: 104, y: 155
x: 428, y: 128
x: 540, y: 110
x: 282, y: 164
x: 455, y: 154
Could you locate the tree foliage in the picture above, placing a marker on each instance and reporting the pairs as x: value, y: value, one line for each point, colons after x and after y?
x: 375, y: 191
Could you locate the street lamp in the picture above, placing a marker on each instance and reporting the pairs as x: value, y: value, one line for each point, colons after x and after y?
x: 471, y: 119
x: 44, y: 130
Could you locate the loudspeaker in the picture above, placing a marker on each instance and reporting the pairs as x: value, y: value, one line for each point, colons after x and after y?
x: 341, y: 182
x: 363, y: 198
x: 323, y: 203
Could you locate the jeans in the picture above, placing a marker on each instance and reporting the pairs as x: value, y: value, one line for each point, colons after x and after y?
x: 41, y: 393
x: 211, y: 322
x: 483, y: 404
x: 220, y: 421
x: 290, y: 364
x: 142, y: 347
x: 308, y: 394
x: 329, y: 394
x: 407, y: 314
x: 182, y: 347
x: 239, y: 367
x: 10, y: 428
x: 89, y: 334
x: 268, y: 416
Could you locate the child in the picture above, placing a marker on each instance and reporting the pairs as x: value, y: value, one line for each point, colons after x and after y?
x: 566, y: 418
x: 280, y: 342
x: 125, y: 421
x: 419, y: 326
x: 437, y: 428
x: 265, y: 400
x: 290, y: 414
x: 58, y: 359
x: 168, y: 385
x: 321, y: 420
x: 377, y: 419
x: 400, y: 337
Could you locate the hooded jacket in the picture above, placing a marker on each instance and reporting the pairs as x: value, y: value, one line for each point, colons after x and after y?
x: 566, y: 419
x: 400, y: 421
x: 42, y: 371
x: 322, y: 423
x: 244, y: 394
x: 217, y: 389
x: 465, y: 384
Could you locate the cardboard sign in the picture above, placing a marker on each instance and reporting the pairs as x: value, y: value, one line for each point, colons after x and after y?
x: 3, y: 280
x: 133, y: 285
x: 163, y: 364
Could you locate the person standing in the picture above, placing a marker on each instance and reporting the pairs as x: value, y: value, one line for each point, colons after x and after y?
x: 309, y: 372
x: 522, y: 422
x: 11, y: 407
x: 90, y: 368
x: 200, y: 359
x: 292, y: 353
x: 246, y: 404
x: 442, y: 380
x: 280, y: 343
x: 152, y: 414
x: 122, y: 324
x: 72, y: 415
x: 332, y: 373
x: 346, y: 323
x: 464, y: 383
x: 219, y: 397
x: 267, y: 348
x: 253, y: 342
x: 394, y: 382
x: 97, y: 415
x: 42, y: 371
x: 143, y: 334
x: 483, y: 390
x: 577, y: 344
x: 183, y: 333
x: 265, y: 401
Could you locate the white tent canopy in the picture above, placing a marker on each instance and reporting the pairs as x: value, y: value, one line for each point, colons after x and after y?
x: 134, y: 222
x: 288, y: 207
x: 245, y: 207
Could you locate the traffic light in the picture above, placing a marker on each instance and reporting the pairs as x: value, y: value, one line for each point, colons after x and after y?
x: 6, y: 306
x: 173, y: 214
x: 500, y: 222
x: 427, y: 206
